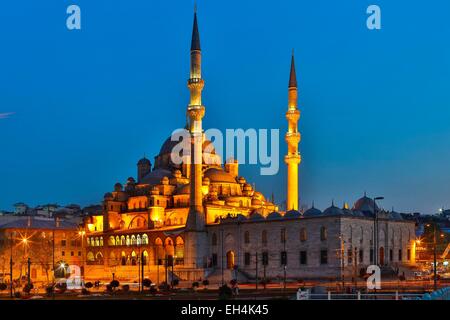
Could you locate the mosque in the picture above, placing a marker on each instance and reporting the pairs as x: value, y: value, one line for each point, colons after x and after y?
x: 202, y: 220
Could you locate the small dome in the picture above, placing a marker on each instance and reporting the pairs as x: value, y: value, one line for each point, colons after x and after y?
x: 242, y: 180
x: 177, y: 174
x: 131, y: 180
x: 312, y: 212
x: 108, y: 196
x: 144, y: 161
x: 274, y: 216
x: 248, y: 187
x: 205, y: 181
x: 333, y: 211
x: 256, y: 216
x: 118, y: 187
x: 292, y: 214
x: 165, y: 180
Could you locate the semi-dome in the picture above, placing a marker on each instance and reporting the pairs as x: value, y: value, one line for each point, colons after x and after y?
x: 333, y: 211
x: 365, y: 204
x: 274, y: 216
x: 218, y: 175
x: 312, y: 212
x: 291, y: 214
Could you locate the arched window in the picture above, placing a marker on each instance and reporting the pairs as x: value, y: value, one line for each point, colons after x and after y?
x: 133, y: 258
x: 112, y: 241
x: 214, y: 239
x: 145, y: 257
x: 101, y: 241
x: 168, y: 222
x: 117, y: 241
x: 323, y: 234
x: 123, y: 258
x: 159, y: 251
x: 97, y: 242
x: 303, y: 235
x: 246, y: 237
x: 133, y: 240
x: 144, y: 238
x: 99, y: 258
x: 88, y: 240
x: 179, y: 249
x: 128, y: 240
x: 138, y: 240
x: 264, y: 237
x: 122, y: 241
x: 90, y: 257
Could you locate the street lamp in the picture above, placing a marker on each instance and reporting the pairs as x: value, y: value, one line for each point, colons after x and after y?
x: 82, y: 233
x: 434, y: 255
x: 375, y: 229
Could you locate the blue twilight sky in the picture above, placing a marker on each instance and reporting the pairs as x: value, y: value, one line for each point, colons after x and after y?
x: 88, y: 104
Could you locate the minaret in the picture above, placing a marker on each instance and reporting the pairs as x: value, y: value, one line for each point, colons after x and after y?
x: 292, y: 138
x: 195, y: 112
x: 195, y: 237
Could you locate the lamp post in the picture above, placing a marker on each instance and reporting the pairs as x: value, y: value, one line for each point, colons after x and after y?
x: 434, y: 254
x: 11, y: 267
x: 82, y: 233
x: 375, y: 229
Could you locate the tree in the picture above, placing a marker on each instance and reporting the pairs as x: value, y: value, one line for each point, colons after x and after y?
x: 3, y: 286
x: 205, y: 283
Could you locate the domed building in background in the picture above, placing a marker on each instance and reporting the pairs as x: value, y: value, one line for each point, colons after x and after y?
x: 200, y: 217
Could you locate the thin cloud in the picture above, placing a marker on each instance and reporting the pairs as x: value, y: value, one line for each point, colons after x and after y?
x: 6, y: 115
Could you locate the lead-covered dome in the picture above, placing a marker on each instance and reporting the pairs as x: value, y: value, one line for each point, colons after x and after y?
x: 333, y: 211
x: 312, y: 212
x: 365, y: 204
x: 292, y: 214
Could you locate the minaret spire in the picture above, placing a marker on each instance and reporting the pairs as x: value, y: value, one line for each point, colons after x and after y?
x: 292, y: 76
x: 292, y: 159
x: 195, y: 112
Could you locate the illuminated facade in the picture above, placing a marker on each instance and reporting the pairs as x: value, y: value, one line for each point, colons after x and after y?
x: 45, y: 242
x: 201, y: 215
